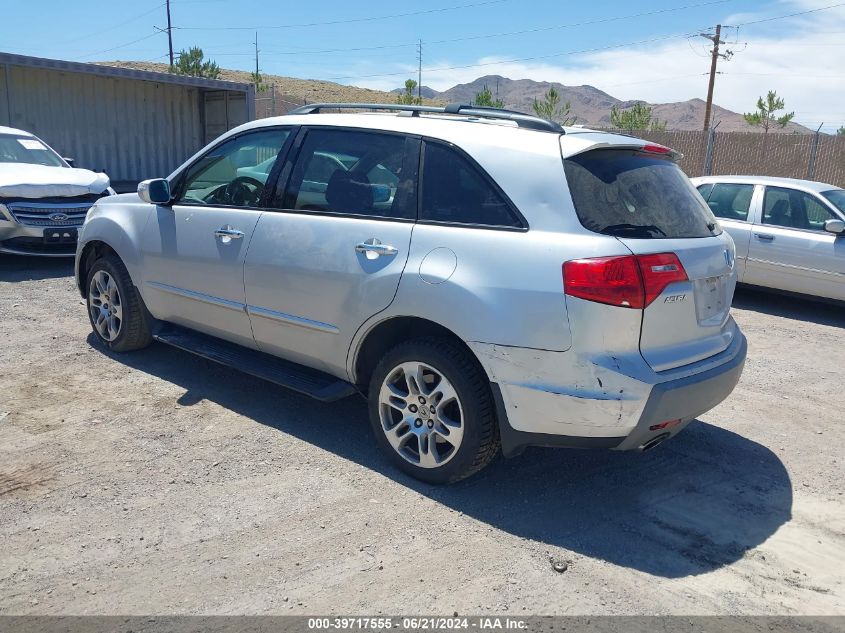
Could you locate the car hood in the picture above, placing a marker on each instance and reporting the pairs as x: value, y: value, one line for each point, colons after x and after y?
x: 21, y: 180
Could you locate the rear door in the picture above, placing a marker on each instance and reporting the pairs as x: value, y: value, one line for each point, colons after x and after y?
x: 331, y: 253
x: 646, y: 202
x: 790, y: 250
x: 731, y: 203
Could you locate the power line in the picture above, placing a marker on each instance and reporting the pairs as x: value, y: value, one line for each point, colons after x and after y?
x: 789, y: 15
x: 347, y: 21
x: 540, y: 29
x: 114, y: 26
x: 525, y: 59
x: 114, y: 48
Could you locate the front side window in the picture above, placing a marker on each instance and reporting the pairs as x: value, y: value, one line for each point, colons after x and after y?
x: 627, y: 193
x: 455, y: 191
x: 355, y: 173
x: 836, y: 197
x: 28, y: 150
x: 730, y: 201
x: 794, y: 209
x: 235, y: 172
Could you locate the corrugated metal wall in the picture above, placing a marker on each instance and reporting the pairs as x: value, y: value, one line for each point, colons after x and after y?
x: 130, y: 129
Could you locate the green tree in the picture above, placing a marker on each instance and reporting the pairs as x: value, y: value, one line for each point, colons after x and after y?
x: 485, y: 98
x: 258, y: 80
x: 637, y: 117
x: 765, y: 115
x: 192, y: 62
x: 551, y: 110
x: 841, y: 131
x: 408, y: 97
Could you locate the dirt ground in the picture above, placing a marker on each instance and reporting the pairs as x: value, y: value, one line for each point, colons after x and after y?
x: 160, y: 483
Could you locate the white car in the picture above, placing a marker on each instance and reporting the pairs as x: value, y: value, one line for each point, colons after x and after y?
x: 789, y: 234
x: 43, y: 198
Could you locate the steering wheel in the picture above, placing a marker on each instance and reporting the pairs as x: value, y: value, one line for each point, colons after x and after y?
x: 243, y: 191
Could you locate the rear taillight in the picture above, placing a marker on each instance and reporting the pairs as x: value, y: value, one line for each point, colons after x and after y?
x: 629, y: 281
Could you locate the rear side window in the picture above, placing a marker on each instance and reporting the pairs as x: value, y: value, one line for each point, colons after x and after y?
x: 455, y: 191
x: 626, y: 193
x: 730, y: 201
x: 355, y: 173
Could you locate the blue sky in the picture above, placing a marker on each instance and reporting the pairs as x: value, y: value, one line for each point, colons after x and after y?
x: 604, y: 43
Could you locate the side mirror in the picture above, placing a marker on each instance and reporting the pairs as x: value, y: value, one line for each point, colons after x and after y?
x: 835, y: 226
x: 69, y: 161
x: 155, y: 191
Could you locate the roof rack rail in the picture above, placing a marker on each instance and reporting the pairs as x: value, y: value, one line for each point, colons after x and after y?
x: 520, y: 118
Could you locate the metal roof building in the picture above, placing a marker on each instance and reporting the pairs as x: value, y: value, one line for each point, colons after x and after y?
x: 132, y: 124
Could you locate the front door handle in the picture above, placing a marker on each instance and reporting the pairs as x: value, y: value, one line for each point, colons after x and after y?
x: 228, y: 233
x: 373, y: 248
x: 766, y: 237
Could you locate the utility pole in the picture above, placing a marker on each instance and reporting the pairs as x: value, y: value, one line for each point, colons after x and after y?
x: 419, y: 73
x: 715, y: 55
x: 169, y: 34
x: 256, y: 56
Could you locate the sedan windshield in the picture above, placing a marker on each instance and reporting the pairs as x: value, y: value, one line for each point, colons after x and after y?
x: 26, y: 149
x: 836, y: 197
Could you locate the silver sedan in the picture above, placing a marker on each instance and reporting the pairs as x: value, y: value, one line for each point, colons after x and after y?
x: 789, y: 234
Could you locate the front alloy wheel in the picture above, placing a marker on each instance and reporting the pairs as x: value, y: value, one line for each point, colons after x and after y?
x: 421, y: 414
x: 105, y: 305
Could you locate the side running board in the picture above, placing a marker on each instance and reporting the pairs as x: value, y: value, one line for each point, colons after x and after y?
x: 311, y: 382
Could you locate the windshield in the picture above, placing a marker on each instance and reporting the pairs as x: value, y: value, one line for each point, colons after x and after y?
x: 628, y: 193
x: 26, y: 149
x: 836, y: 197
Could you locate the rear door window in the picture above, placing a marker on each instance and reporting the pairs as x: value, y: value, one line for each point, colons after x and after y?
x: 627, y: 193
x: 456, y: 191
x: 730, y: 201
x: 355, y: 173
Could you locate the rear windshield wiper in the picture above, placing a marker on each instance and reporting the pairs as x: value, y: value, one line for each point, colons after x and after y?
x: 647, y: 230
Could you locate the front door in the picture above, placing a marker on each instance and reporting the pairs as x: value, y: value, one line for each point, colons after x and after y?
x: 194, y: 250
x: 333, y: 252
x: 790, y: 250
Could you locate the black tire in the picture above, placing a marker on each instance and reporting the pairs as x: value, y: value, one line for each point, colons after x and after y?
x: 480, y: 442
x: 134, y: 332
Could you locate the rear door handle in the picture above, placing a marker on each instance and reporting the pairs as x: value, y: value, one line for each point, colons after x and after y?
x: 766, y: 237
x: 373, y: 248
x: 228, y: 232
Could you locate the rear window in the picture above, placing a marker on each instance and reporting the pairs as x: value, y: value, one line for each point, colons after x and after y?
x: 626, y: 193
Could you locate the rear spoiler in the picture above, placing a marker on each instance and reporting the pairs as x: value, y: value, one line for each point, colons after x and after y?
x: 574, y: 144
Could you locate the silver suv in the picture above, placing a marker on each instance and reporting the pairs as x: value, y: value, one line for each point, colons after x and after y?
x: 486, y: 278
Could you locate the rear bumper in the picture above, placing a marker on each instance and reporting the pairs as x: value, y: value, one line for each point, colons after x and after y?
x: 686, y: 398
x: 621, y: 423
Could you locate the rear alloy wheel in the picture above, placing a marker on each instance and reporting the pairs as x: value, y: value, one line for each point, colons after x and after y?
x: 432, y: 412
x: 421, y: 415
x: 117, y: 313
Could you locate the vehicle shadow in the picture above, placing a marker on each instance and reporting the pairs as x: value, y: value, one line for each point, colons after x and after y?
x: 15, y: 268
x: 692, y: 505
x: 789, y: 306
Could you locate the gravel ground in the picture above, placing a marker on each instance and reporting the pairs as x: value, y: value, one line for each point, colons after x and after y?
x: 160, y: 483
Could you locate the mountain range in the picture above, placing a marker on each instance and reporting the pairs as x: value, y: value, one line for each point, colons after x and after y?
x: 591, y: 106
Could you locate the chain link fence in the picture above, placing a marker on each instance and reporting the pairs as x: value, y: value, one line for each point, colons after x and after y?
x: 810, y: 156
x: 818, y: 157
